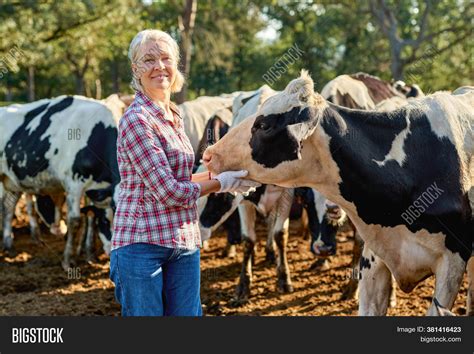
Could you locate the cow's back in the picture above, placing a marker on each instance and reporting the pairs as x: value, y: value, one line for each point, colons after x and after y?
x: 348, y: 92
x: 197, y: 112
x: 250, y: 104
x: 44, y: 140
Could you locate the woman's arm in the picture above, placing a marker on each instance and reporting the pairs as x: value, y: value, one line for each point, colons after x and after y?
x: 201, y: 177
x: 209, y: 186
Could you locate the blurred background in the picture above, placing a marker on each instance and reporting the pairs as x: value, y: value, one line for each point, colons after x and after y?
x: 49, y: 48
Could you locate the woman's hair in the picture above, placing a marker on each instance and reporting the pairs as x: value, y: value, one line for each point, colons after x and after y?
x: 158, y: 36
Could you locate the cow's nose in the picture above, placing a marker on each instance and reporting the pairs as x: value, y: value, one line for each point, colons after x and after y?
x: 332, y: 208
x: 206, y: 158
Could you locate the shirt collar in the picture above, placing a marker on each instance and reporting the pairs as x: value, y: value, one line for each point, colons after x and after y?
x: 153, y: 108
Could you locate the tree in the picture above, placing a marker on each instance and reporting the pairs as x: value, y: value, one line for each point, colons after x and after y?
x: 186, y: 28
x: 440, y: 25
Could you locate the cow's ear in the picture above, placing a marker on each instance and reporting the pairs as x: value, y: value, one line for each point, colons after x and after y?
x: 308, y: 119
x: 302, y: 87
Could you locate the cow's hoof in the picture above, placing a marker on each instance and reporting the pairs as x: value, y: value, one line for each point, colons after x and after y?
x: 231, y: 251
x: 350, y: 291
x: 319, y: 265
x: 285, y: 288
x: 35, y: 237
x: 66, y: 266
x: 241, y: 297
x: 237, y: 302
x: 242, y: 293
x: 10, y: 252
x: 35, y: 241
x: 91, y: 259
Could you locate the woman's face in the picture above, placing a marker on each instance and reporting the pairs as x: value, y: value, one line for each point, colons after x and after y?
x: 156, y: 66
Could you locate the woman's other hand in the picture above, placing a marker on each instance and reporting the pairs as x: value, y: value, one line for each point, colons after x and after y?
x: 231, y: 181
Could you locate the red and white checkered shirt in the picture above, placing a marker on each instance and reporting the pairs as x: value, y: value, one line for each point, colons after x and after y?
x: 157, y: 200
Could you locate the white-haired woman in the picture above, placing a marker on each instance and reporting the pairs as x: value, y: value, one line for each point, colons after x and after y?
x: 155, y: 247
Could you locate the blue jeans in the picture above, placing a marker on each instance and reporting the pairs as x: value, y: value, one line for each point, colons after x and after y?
x: 151, y: 280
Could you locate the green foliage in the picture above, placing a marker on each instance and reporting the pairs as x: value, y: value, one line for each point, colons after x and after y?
x: 72, y: 44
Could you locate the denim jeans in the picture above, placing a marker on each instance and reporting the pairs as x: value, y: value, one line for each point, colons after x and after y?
x: 152, y: 280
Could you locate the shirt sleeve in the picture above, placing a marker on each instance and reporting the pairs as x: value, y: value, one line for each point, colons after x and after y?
x: 150, y: 161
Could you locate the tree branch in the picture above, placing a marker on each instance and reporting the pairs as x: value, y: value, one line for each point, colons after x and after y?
x: 433, y: 35
x: 59, y: 32
x: 437, y: 52
x: 423, y: 24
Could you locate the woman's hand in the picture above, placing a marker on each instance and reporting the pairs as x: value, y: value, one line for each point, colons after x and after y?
x: 231, y: 181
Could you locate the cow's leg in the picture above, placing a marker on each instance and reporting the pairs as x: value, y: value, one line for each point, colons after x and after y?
x: 283, y: 271
x: 280, y: 222
x: 2, y: 209
x: 393, y: 293
x: 270, y: 255
x: 248, y: 216
x: 9, y: 204
x: 73, y: 200
x: 90, y: 236
x: 351, y: 289
x: 470, y: 289
x: 33, y: 220
x: 305, y: 225
x: 58, y: 228
x: 375, y: 285
x: 448, y: 274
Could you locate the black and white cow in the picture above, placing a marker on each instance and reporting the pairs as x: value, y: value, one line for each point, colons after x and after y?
x: 364, y: 91
x: 197, y: 112
x: 221, y: 209
x: 216, y: 127
x: 415, y: 217
x: 56, y: 146
x: 273, y: 203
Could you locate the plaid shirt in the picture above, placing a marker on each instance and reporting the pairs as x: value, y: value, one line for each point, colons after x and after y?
x: 157, y: 200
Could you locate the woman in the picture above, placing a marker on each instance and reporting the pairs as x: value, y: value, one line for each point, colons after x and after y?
x: 155, y: 254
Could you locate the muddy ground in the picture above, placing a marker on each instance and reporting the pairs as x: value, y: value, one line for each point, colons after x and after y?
x: 33, y: 282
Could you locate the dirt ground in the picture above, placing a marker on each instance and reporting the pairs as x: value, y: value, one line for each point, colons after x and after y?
x: 33, y: 282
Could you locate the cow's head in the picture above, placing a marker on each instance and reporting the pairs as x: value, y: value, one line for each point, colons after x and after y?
x: 218, y: 208
x: 102, y: 224
x: 270, y: 144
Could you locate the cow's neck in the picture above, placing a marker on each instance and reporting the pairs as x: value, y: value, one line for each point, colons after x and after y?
x: 359, y: 143
x: 383, y: 164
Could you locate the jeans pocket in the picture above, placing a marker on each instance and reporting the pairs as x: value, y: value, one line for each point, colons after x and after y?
x: 139, y: 261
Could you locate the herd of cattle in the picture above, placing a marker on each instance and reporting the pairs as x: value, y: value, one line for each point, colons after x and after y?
x: 370, y: 146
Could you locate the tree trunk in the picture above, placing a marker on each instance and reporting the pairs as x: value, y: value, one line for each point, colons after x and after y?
x: 186, y: 24
x: 115, y: 76
x: 397, y: 64
x: 31, y: 83
x: 79, y: 84
x: 9, y: 93
x: 98, y: 89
